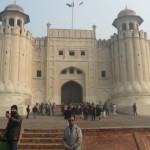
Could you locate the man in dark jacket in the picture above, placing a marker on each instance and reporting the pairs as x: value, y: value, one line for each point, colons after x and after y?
x: 34, y: 110
x: 67, y: 114
x: 28, y: 111
x: 134, y: 109
x: 13, y: 128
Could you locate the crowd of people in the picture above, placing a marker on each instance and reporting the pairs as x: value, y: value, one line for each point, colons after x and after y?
x: 84, y: 110
x: 72, y: 136
x: 41, y: 109
x: 88, y: 110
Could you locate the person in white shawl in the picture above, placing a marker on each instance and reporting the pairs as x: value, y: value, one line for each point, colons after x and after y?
x: 72, y: 137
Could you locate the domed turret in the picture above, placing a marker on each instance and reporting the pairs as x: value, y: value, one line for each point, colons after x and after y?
x: 126, y: 12
x: 8, y: 16
x: 14, y: 7
x: 127, y: 20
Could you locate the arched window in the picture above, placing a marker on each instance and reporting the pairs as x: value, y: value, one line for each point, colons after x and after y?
x: 124, y: 27
x: 131, y: 26
x: 11, y: 22
x: 19, y: 23
x: 71, y: 71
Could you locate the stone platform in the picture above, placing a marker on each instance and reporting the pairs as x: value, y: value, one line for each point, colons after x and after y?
x: 120, y: 132
x: 58, y: 122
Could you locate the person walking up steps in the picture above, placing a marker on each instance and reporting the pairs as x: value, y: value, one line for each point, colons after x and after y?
x: 28, y: 111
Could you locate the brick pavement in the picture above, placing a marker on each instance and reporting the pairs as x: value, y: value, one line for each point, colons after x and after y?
x: 58, y: 122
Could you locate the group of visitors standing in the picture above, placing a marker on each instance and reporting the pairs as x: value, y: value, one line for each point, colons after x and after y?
x: 41, y: 109
x: 72, y: 137
x: 89, y: 110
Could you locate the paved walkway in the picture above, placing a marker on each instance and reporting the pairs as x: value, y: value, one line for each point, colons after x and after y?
x: 58, y: 122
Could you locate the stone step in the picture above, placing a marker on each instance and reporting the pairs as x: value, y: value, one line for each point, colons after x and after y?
x: 42, y: 146
x: 40, y: 149
x: 43, y: 131
x: 40, y: 140
x: 39, y: 135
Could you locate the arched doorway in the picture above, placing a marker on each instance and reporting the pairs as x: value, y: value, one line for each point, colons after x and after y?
x: 71, y: 92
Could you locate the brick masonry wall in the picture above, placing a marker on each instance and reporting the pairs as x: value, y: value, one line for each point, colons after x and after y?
x: 116, y: 139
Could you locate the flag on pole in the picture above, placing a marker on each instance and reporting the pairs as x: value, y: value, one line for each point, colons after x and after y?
x: 73, y: 4
x: 81, y: 3
x: 70, y: 5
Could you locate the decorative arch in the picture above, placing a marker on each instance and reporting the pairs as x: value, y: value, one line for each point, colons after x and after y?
x: 11, y: 21
x: 71, y: 92
x: 71, y: 70
x: 19, y: 23
x: 124, y: 27
x: 131, y: 26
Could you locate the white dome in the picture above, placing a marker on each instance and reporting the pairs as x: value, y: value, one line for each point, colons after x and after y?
x: 14, y: 7
x: 126, y: 12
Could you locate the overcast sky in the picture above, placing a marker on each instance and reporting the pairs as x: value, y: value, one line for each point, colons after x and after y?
x: 99, y: 12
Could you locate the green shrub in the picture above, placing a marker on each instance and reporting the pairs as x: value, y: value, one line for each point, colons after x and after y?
x: 3, y: 146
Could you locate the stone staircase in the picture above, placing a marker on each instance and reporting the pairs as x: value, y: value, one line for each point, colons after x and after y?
x: 42, y: 139
x: 93, y: 139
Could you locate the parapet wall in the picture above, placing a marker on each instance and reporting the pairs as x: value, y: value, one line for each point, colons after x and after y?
x: 103, y: 43
x: 38, y: 41
x: 68, y: 33
x: 15, y: 30
x: 129, y: 34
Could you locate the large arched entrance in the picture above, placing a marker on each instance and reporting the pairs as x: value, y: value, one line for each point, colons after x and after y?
x: 71, y: 92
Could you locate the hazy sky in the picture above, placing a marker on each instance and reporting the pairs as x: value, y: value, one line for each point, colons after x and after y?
x: 99, y: 12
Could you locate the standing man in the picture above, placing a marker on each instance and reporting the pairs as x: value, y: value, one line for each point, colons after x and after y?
x: 72, y: 136
x: 114, y: 109
x: 34, y: 110
x: 67, y: 114
x: 134, y: 109
x: 93, y: 112
x: 13, y: 128
x: 28, y: 111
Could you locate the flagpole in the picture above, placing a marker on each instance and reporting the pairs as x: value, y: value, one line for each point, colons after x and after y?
x: 72, y: 5
x: 72, y: 17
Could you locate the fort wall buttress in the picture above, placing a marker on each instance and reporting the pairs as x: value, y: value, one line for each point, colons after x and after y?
x: 131, y: 54
x: 15, y: 48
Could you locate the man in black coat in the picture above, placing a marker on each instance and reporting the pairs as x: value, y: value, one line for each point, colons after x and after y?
x: 134, y: 109
x: 67, y: 114
x: 13, y: 128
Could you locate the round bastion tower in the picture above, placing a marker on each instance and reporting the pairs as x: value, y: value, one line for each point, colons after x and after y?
x: 130, y: 64
x: 15, y: 58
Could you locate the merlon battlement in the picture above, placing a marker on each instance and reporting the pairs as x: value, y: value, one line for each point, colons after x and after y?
x: 15, y: 30
x: 129, y: 34
x: 39, y: 41
x: 68, y: 33
x: 103, y: 43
